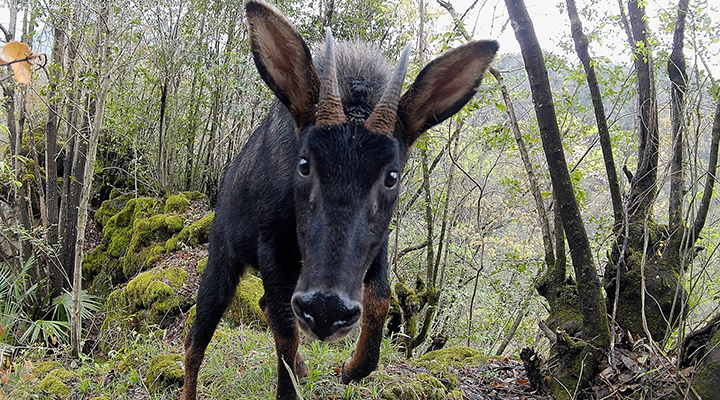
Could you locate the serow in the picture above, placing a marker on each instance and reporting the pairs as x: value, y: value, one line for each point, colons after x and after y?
x: 308, y: 201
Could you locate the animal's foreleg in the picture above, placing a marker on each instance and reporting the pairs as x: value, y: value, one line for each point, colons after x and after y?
x: 376, y: 302
x: 301, y: 369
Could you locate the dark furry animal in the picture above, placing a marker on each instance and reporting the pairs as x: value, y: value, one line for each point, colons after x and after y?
x: 309, y: 199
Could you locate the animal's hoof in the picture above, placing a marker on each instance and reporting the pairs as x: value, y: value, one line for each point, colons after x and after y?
x: 344, y: 376
x: 301, y: 369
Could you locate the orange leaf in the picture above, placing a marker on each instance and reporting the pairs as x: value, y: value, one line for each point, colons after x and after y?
x: 14, y: 51
x: 2, y: 331
x: 17, y: 51
x: 22, y: 72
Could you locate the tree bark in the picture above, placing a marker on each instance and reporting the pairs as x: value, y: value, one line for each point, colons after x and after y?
x: 93, y: 120
x: 591, y: 303
x: 678, y: 77
x: 581, y: 47
x: 643, y: 187
x: 51, y: 152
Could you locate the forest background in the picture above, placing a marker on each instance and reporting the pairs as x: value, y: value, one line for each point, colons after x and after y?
x: 151, y: 99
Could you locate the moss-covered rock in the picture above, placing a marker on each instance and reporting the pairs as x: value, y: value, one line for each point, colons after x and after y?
x: 110, y: 208
x: 142, y: 250
x: 43, y: 368
x: 192, y: 235
x: 423, y: 387
x: 165, y: 371
x: 245, y: 307
x: 457, y: 356
x: 55, y: 383
x: 194, y: 195
x: 153, y: 298
x: 202, y: 264
x: 176, y: 203
x: 105, y: 266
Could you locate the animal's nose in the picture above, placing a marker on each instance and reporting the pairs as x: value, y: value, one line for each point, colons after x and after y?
x: 325, y: 315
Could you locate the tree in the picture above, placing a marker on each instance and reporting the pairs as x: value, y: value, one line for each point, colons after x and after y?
x: 595, y: 328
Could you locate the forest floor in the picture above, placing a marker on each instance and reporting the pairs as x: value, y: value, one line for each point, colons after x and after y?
x: 240, y: 364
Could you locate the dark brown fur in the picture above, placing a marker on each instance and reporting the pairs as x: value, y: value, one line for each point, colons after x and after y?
x: 308, y: 203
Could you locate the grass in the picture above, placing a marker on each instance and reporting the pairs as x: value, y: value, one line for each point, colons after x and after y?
x: 239, y: 363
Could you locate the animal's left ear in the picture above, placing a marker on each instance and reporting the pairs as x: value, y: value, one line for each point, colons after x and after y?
x: 443, y: 87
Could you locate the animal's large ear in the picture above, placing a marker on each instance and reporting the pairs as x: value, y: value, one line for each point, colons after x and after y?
x: 283, y: 59
x: 443, y: 87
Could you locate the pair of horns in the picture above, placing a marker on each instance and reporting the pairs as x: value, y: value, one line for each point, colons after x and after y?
x: 330, y: 109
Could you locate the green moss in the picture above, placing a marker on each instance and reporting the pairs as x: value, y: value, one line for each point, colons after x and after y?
x: 142, y: 252
x: 43, y: 368
x: 176, y: 277
x: 455, y: 356
x: 54, y: 383
x: 165, y: 371
x: 195, y: 195
x: 109, y: 208
x: 202, y: 264
x: 189, y: 321
x: 152, y: 298
x: 192, y: 235
x: 423, y: 387
x: 244, y: 306
x: 176, y: 203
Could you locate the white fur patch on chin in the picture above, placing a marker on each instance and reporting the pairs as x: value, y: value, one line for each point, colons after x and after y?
x: 335, y: 337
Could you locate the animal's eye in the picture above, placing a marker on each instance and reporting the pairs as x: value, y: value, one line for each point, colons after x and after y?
x: 391, y: 179
x: 304, y: 167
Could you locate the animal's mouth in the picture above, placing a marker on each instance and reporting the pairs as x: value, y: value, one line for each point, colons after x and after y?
x: 334, y: 337
x: 325, y: 316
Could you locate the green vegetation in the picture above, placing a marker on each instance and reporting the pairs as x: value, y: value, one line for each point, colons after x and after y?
x: 176, y: 99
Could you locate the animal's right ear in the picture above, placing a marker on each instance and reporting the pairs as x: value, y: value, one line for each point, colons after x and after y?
x: 443, y: 87
x: 283, y: 59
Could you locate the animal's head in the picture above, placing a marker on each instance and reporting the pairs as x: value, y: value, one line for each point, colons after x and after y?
x: 348, y: 171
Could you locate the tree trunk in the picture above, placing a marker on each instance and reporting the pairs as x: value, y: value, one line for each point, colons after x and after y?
x: 644, y: 256
x: 678, y: 78
x: 643, y: 187
x: 591, y: 303
x: 581, y: 47
x: 51, y: 152
x: 93, y: 120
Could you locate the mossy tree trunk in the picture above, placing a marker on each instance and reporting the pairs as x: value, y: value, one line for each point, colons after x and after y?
x: 651, y: 259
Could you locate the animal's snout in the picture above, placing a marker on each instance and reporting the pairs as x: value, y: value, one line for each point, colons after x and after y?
x: 327, y: 316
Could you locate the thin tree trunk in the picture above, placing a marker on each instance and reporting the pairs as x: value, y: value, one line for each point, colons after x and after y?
x: 678, y: 78
x: 94, y: 121
x: 529, y: 170
x: 581, y: 47
x: 161, y: 157
x: 592, y: 305
x: 51, y: 152
x: 643, y: 187
x: 710, y: 178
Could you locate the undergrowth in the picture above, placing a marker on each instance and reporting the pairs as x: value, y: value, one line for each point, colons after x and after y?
x: 239, y: 363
